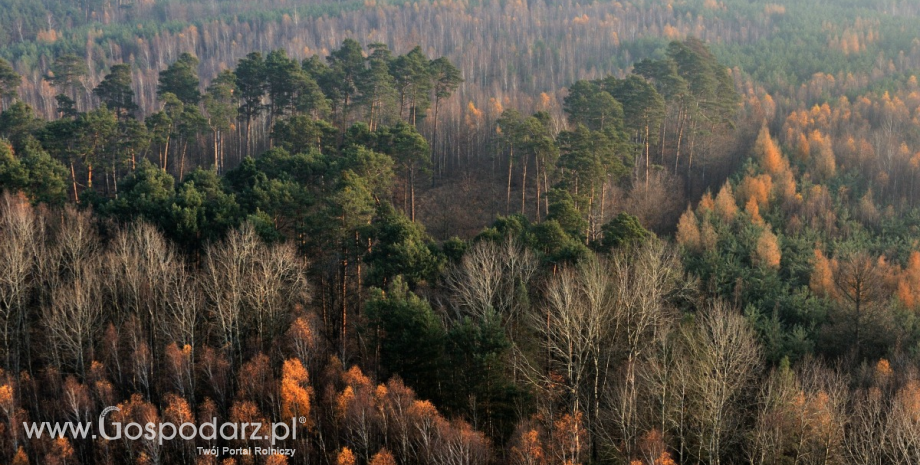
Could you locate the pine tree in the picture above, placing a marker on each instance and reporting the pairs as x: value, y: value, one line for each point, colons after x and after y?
x: 181, y: 79
x: 9, y: 82
x: 115, y: 91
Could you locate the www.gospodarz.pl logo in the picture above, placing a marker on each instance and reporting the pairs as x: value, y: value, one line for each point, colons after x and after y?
x: 168, y: 431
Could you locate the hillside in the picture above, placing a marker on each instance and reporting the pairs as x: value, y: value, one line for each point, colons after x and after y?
x: 461, y: 232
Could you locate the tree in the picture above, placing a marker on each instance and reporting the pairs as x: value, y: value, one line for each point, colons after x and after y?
x: 250, y: 79
x: 222, y: 107
x: 67, y: 72
x: 768, y: 153
x: 276, y: 286
x: 446, y: 78
x: 281, y: 78
x: 295, y: 391
x: 767, y: 252
x: 224, y: 280
x: 587, y: 104
x: 301, y: 134
x: 410, y: 151
x: 10, y: 81
x: 159, y: 128
x: 96, y: 133
x: 378, y: 89
x: 413, y: 84
x: 73, y: 315
x: 313, y: 99
x: 115, y: 90
x: 509, y: 130
x: 340, y: 82
x: 399, y: 247
x: 408, y: 337
x: 859, y: 282
x: 18, y: 123
x: 624, y: 230
x: 725, y: 355
x: 201, y: 210
x: 181, y: 80
x: 587, y: 160
x: 643, y: 111
x: 34, y: 172
x: 20, y: 229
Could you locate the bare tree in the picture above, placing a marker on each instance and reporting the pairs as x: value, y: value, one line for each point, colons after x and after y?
x: 575, y: 326
x: 76, y: 243
x: 666, y: 376
x: 17, y: 267
x: 904, y: 424
x: 227, y: 269
x: 182, y: 308
x: 726, y: 355
x: 771, y: 434
x: 73, y: 318
x: 642, y: 279
x: 142, y: 263
x: 870, y: 429
x: 277, y: 283
x: 860, y: 284
x: 820, y: 410
x: 490, y: 278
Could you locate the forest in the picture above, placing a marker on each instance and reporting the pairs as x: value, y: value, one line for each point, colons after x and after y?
x: 462, y: 232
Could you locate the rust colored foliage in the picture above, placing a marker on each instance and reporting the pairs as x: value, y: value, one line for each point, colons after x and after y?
x: 295, y: 391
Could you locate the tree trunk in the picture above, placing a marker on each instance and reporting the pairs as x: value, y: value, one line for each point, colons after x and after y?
x: 166, y: 153
x: 647, y: 161
x: 508, y: 198
x: 524, y: 186
x: 537, y: 180
x: 680, y: 136
x: 73, y: 178
x: 412, y: 192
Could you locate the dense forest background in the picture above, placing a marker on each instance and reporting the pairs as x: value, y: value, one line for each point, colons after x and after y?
x: 636, y: 232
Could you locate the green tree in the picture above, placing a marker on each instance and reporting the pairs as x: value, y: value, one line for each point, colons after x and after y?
x: 13, y: 176
x: 300, y: 134
x: 132, y: 140
x: 477, y: 354
x: 312, y: 99
x: 66, y: 74
x: 341, y: 81
x: 588, y: 159
x: 643, y: 111
x: 59, y: 138
x: 413, y: 84
x: 378, y: 89
x: 250, y: 79
x: 201, y: 211
x: 159, y: 129
x: 115, y: 91
x: 564, y: 211
x: 587, y: 104
x: 18, y: 123
x: 9, y: 82
x: 446, y: 78
x: 408, y: 336
x: 181, y: 80
x: 281, y: 77
x: 221, y: 105
x: 96, y: 133
x: 409, y: 150
x: 399, y: 247
x: 188, y: 126
x: 624, y: 230
x: 146, y: 194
